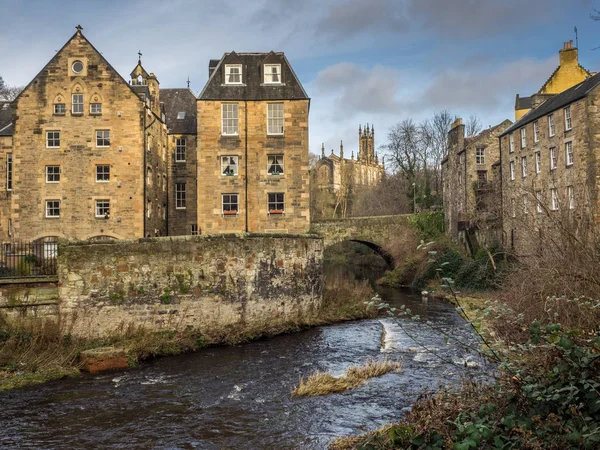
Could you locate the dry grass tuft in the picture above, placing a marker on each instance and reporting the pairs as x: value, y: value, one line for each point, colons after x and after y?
x: 323, y: 383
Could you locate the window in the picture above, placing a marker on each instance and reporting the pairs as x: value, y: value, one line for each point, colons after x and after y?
x: 482, y: 176
x: 103, y: 208
x: 513, y: 208
x: 103, y: 138
x: 149, y: 209
x: 52, y: 174
x: 569, y: 153
x: 276, y: 203
x: 50, y: 250
x: 524, y: 166
x: 272, y: 73
x: 551, y: 125
x: 96, y: 108
x: 181, y: 115
x: 103, y: 173
x: 568, y: 118
x: 180, y: 195
x: 149, y: 176
x: 60, y: 109
x: 52, y: 139
x: 194, y: 230
x: 511, y: 139
x: 233, y: 73
x: 480, y: 156
x: 229, y: 166
x: 538, y: 162
x: 554, y: 197
x: 512, y: 170
x: 275, y: 164
x: 77, y: 66
x: 523, y: 137
x: 230, y: 119
x: 9, y: 173
x: 553, y: 158
x: 77, y: 107
x: 274, y: 118
x: 229, y: 204
x: 180, y: 150
x: 571, y: 197
x: 52, y: 208
x: 525, y: 205
x: 540, y: 200
x: 536, y: 131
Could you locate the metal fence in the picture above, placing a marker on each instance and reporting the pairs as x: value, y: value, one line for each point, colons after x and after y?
x: 28, y: 259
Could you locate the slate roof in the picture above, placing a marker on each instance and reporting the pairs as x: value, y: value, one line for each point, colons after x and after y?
x: 558, y: 101
x: 176, y: 101
x: 6, y: 123
x: 141, y: 89
x: 523, y: 102
x: 252, y: 87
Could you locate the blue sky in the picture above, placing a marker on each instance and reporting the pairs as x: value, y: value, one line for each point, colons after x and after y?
x: 376, y: 61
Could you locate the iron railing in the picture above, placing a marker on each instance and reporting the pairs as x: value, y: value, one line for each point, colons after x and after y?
x: 28, y: 259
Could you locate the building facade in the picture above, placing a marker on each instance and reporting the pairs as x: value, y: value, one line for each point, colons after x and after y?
x: 568, y: 73
x: 253, y: 141
x: 550, y: 160
x: 471, y: 186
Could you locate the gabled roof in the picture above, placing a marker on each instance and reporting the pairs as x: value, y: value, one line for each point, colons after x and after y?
x: 253, y: 87
x: 556, y: 71
x: 176, y: 101
x: 6, y: 123
x: 558, y: 101
x: 485, y: 133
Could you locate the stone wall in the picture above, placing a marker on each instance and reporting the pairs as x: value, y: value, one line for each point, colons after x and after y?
x: 29, y: 298
x: 208, y: 283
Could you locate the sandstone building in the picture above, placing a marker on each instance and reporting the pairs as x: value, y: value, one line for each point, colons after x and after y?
x: 471, y: 186
x: 550, y: 162
x: 568, y: 73
x: 88, y: 155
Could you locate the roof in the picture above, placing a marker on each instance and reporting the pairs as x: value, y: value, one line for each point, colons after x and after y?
x: 6, y: 122
x: 558, y: 101
x: 141, y: 89
x: 523, y: 102
x: 253, y: 87
x: 176, y: 101
x: 485, y: 133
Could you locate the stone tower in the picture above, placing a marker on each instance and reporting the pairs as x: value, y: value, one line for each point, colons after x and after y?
x: 366, y: 144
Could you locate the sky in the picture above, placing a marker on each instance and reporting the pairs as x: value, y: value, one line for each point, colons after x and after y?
x: 360, y: 61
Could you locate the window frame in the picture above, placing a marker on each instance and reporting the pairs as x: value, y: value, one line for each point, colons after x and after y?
x: 53, y: 139
x: 523, y: 131
x: 568, y: 119
x: 194, y: 229
x: 280, y: 163
x: 540, y: 201
x: 180, y: 145
x: 48, y: 174
x: 272, y: 205
x: 569, y: 154
x: 480, y: 158
x: 97, y: 112
x: 235, y: 112
x: 553, y: 158
x: 228, y: 74
x: 511, y: 143
x: 271, y: 120
x: 524, y: 166
x: 571, y: 196
x: 52, y: 208
x: 97, y: 207
x: 227, y: 163
x: 538, y: 162
x: 103, y: 138
x: 525, y: 204
x: 180, y: 196
x: 266, y: 74
x: 230, y: 203
x: 512, y: 170
x: 536, y: 132
x: 551, y: 125
x: 60, y: 113
x: 553, y: 199
x: 9, y: 171
x: 102, y: 173
x: 74, y: 103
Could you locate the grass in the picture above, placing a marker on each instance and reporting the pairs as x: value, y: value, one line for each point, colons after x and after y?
x: 323, y: 383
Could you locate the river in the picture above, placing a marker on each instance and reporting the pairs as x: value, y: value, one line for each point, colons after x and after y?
x: 239, y: 397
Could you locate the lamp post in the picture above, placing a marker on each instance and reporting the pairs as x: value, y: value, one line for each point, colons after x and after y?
x: 414, y: 198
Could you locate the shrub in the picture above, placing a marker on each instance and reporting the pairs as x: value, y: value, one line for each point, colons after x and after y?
x: 429, y: 225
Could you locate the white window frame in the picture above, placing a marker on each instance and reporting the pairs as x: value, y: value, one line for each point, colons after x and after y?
x: 523, y: 137
x: 230, y: 118
x: 180, y: 148
x: 551, y: 127
x: 48, y: 174
x: 554, y: 199
x: 480, y: 156
x: 100, y: 174
x: 525, y: 204
x: 536, y: 131
x: 77, y: 107
x: 538, y: 162
x: 60, y: 109
x: 269, y: 74
x: 53, y: 138
x: 512, y: 170
x: 102, y: 136
x: 52, y: 208
x: 100, y: 205
x: 524, y: 166
x: 194, y: 229
x: 275, y: 119
x: 9, y: 171
x: 540, y: 201
x: 571, y: 196
x: 180, y: 196
x: 511, y: 141
x: 229, y: 74
x: 229, y: 204
x: 553, y: 158
x: 271, y: 160
x: 569, y: 153
x: 96, y: 109
x: 568, y: 121
x: 229, y: 161
x: 276, y: 202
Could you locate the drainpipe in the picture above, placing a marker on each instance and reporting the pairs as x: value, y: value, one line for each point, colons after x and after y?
x: 246, y: 158
x: 144, y: 173
x: 169, y: 164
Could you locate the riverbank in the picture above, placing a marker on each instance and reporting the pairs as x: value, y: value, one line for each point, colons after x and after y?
x: 35, y: 351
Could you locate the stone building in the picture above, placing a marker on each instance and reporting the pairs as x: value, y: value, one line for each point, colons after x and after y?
x: 253, y: 141
x: 550, y: 163
x: 471, y: 191
x: 568, y: 73
x: 334, y: 171
x: 85, y: 156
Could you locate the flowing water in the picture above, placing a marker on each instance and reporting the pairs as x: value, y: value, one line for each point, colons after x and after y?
x: 239, y: 397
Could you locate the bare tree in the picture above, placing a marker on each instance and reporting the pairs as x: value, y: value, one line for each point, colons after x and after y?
x: 9, y: 92
x: 473, y: 126
x: 435, y: 131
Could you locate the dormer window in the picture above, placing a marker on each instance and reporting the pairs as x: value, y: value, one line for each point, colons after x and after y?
x: 233, y: 74
x: 272, y: 73
x: 181, y: 115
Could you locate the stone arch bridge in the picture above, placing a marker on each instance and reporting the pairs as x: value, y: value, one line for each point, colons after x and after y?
x: 374, y: 232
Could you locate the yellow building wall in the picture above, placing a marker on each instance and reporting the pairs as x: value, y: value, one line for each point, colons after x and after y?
x: 569, y: 73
